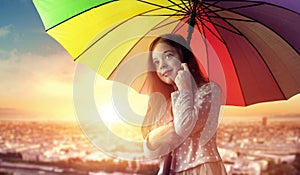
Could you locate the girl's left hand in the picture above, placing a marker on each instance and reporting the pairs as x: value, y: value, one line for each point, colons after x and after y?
x: 162, y: 135
x: 183, y: 80
x: 159, y: 132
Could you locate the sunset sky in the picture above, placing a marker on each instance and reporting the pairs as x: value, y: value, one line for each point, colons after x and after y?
x: 37, y: 74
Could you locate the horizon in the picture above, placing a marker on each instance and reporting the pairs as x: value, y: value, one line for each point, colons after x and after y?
x: 224, y: 119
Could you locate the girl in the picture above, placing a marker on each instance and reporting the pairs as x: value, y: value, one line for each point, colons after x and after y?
x: 182, y: 117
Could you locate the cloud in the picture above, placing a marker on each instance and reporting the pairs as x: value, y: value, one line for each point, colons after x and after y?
x: 10, y: 112
x: 6, y: 30
x: 18, y: 67
x: 41, y: 85
x: 7, y: 54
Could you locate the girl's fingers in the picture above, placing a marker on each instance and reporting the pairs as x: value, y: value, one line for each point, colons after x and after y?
x: 185, y: 67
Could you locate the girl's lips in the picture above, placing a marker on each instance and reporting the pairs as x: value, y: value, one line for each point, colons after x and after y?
x: 166, y: 73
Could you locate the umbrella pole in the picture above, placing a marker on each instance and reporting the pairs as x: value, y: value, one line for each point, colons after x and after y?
x: 192, y: 20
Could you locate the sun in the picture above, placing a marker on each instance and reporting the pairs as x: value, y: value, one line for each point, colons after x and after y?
x: 108, y: 113
x: 117, y: 102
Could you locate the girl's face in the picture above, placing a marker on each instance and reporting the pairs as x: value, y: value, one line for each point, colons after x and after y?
x: 167, y: 62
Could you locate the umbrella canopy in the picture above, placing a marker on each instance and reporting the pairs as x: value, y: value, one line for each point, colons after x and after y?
x: 250, y: 47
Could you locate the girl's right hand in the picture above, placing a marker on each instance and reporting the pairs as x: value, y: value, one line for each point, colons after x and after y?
x: 183, y: 79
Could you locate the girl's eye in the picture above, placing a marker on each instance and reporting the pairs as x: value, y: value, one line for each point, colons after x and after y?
x: 155, y: 62
x: 168, y: 56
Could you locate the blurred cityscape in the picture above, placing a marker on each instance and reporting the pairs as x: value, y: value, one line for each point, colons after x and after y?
x: 265, y: 146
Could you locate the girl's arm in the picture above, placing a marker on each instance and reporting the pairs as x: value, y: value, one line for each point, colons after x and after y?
x: 161, y: 141
x: 191, y: 115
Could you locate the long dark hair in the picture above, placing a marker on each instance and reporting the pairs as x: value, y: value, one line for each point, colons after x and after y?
x: 155, y: 85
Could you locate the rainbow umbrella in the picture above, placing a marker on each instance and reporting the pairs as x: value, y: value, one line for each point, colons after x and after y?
x: 250, y: 47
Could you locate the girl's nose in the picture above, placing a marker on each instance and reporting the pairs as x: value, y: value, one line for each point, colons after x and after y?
x: 162, y: 65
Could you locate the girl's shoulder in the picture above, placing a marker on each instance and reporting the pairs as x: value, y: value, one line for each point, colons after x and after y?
x: 209, y: 86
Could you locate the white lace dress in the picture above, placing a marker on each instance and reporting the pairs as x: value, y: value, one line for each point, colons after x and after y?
x: 195, y: 118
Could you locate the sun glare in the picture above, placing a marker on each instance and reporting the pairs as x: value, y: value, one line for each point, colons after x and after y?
x: 108, y: 114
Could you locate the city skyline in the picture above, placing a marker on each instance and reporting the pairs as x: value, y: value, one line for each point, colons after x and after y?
x: 242, y: 147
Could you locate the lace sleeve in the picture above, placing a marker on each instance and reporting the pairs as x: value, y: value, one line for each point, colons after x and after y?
x: 192, y: 111
x: 208, y: 103
x: 154, y: 153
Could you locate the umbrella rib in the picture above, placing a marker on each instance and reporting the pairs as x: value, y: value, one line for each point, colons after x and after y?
x: 78, y: 14
x: 165, y: 15
x: 206, y: 7
x: 179, y: 27
x: 233, y: 8
x: 178, y: 6
x: 187, y: 7
x: 268, y: 3
x: 225, y: 44
x: 230, y: 10
x: 238, y: 33
x: 190, y: 4
x: 233, y: 19
x: 206, y: 47
x: 163, y: 7
x: 246, y: 38
x: 220, y: 39
x: 100, y: 38
x: 203, y: 24
x: 110, y: 31
x: 135, y: 45
x: 201, y: 21
x: 220, y: 17
x: 167, y: 24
